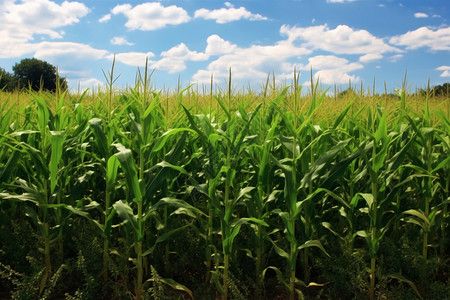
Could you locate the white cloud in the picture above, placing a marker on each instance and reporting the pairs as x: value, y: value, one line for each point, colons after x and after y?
x: 370, y: 57
x: 436, y: 40
x: 333, y: 69
x: 119, y: 40
x: 132, y: 58
x: 252, y: 63
x: 216, y: 46
x: 446, y: 70
x: 420, y: 15
x: 341, y: 40
x: 229, y: 14
x: 174, y: 59
x: 54, y: 50
x: 151, y: 15
x: 395, y: 58
x: 12, y: 47
x: 21, y: 22
x: 105, y: 18
x: 74, y: 59
x: 40, y: 17
x: 330, y: 62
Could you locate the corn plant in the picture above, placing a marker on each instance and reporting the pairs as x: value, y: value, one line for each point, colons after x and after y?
x: 44, y: 194
x: 225, y: 147
x: 300, y: 212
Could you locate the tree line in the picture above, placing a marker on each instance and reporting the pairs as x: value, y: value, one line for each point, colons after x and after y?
x: 34, y: 74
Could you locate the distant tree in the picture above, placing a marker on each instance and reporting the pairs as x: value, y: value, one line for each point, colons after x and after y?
x: 347, y: 93
x: 439, y: 91
x: 37, y: 74
x: 442, y: 90
x: 8, y: 82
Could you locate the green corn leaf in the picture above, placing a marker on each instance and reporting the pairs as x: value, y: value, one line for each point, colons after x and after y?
x: 177, y: 203
x: 25, y: 197
x: 380, y: 158
x: 177, y: 286
x: 224, y: 108
x: 9, y: 167
x: 329, y: 227
x: 381, y: 134
x: 111, y: 170
x: 368, y: 198
x: 126, y: 160
x: 162, y: 238
x: 403, y: 279
x: 399, y: 157
x: 313, y: 243
x: 342, y: 115
x: 57, y: 141
x: 100, y: 137
x: 442, y: 164
x: 280, y: 276
x: 228, y: 240
x: 108, y: 223
x: 165, y: 164
x: 163, y: 139
x: 43, y: 114
x: 124, y: 210
x: 424, y: 219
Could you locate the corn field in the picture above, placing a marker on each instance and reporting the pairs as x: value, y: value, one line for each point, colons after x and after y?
x: 223, y: 194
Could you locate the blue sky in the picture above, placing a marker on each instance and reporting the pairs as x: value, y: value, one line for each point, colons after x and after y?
x: 340, y: 40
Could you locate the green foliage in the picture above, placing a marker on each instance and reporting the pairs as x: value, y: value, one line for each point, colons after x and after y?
x: 153, y: 196
x: 38, y: 75
x: 8, y: 82
x: 441, y: 90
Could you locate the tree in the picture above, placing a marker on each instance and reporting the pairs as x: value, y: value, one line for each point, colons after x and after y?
x: 442, y: 90
x: 439, y: 91
x: 37, y: 74
x: 8, y: 82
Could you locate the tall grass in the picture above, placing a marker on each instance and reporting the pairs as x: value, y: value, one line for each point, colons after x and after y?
x: 194, y: 191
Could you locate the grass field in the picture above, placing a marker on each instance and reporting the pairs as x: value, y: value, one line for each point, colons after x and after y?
x: 208, y: 193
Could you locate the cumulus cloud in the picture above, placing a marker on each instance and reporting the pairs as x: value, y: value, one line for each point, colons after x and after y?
x: 105, y: 18
x: 216, y: 46
x: 22, y: 21
x: 74, y: 58
x: 119, y: 40
x: 395, y: 58
x: 254, y: 62
x: 136, y: 59
x: 151, y: 15
x: 174, y: 59
x: 229, y: 14
x: 53, y: 50
x: 420, y: 15
x: 445, y: 69
x: 434, y: 39
x: 40, y: 17
x: 251, y: 63
x: 333, y: 69
x: 340, y: 40
x: 370, y: 57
